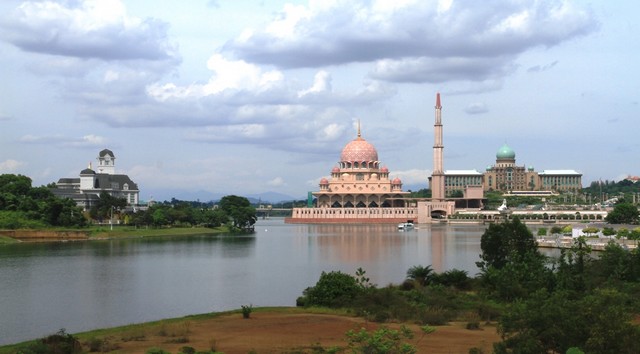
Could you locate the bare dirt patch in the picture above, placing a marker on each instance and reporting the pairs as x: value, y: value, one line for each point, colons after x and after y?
x: 277, y: 331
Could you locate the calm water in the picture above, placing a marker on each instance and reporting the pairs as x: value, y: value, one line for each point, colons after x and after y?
x: 86, y: 285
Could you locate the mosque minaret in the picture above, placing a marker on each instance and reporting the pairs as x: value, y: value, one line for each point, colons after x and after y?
x: 437, y: 177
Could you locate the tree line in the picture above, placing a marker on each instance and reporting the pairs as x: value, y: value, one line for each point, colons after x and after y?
x: 23, y: 206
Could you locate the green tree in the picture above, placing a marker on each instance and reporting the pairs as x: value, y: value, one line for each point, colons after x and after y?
x: 421, y: 274
x: 554, y: 322
x: 589, y: 231
x: 106, y: 206
x: 333, y: 289
x: 623, y: 213
x: 62, y: 212
x: 608, y: 231
x: 511, y: 266
x: 456, y: 278
x: 556, y: 230
x: 212, y: 217
x: 239, y: 209
x: 634, y: 234
x: 571, y: 273
x: 15, y: 184
x: 502, y: 242
x: 623, y: 232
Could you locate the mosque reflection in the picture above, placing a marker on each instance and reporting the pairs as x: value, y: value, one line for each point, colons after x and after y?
x: 443, y: 247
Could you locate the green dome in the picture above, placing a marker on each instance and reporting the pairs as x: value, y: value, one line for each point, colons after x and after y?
x: 505, y: 152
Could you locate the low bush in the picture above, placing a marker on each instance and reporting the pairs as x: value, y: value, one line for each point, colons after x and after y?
x: 246, y: 311
x: 473, y: 325
x: 333, y: 289
x: 58, y: 343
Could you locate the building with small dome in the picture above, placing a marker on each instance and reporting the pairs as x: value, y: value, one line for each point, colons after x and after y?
x: 358, y: 189
x: 361, y: 190
x: 85, y: 191
x: 506, y: 176
x: 359, y: 181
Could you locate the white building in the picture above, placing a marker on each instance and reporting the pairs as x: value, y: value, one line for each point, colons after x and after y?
x: 85, y: 191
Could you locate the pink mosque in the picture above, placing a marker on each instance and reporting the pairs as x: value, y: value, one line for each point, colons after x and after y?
x: 359, y: 190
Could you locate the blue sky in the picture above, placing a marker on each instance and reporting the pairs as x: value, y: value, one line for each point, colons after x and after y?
x: 251, y: 96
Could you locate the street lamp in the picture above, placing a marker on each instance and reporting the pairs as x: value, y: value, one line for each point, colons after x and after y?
x: 111, y: 218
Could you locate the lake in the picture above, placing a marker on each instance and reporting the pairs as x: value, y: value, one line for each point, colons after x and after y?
x: 95, y: 284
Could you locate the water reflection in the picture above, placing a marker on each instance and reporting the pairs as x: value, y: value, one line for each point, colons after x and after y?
x: 85, y: 285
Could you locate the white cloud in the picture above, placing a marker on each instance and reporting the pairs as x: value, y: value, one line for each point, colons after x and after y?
x: 545, y: 67
x: 10, y: 166
x: 63, y: 141
x: 476, y: 108
x: 321, y: 83
x: 87, y: 29
x: 412, y: 176
x: 465, y: 40
x: 437, y: 70
x: 234, y: 75
x: 277, y: 182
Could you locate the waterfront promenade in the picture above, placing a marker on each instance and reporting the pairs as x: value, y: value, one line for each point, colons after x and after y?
x: 596, y: 243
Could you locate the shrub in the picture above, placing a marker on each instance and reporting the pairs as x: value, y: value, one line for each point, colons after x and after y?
x: 422, y: 274
x: 434, y: 315
x: 456, y: 278
x: 187, y: 350
x: 58, y: 343
x: 333, y: 289
x: 246, y: 311
x: 100, y: 345
x: 381, y: 305
x: 383, y: 340
x: 473, y: 325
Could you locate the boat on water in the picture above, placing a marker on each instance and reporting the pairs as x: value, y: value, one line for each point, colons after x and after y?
x: 405, y: 226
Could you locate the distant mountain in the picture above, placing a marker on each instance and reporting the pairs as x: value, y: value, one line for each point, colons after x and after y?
x: 205, y: 196
x: 272, y: 197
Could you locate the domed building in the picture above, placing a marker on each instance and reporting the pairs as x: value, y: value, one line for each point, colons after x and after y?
x: 506, y: 176
x: 359, y: 189
x: 86, y: 190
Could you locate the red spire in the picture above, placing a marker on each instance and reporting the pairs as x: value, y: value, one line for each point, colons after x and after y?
x: 438, y: 100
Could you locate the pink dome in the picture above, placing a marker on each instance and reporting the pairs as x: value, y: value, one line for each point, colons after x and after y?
x: 359, y: 150
x: 324, y: 181
x: 384, y: 169
x: 335, y: 170
x: 396, y: 181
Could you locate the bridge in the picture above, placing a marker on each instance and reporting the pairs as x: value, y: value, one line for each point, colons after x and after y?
x: 265, y: 210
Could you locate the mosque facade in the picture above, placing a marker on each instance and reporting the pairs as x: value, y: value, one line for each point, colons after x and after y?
x: 86, y: 189
x: 360, y: 189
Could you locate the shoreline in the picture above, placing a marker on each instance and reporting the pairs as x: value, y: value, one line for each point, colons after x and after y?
x: 24, y: 235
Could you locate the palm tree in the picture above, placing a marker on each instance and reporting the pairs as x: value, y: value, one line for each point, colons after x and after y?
x: 420, y: 274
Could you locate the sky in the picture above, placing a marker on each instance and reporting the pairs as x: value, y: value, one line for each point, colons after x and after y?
x: 243, y: 97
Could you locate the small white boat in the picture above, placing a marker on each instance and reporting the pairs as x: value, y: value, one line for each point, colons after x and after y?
x: 405, y: 226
